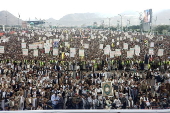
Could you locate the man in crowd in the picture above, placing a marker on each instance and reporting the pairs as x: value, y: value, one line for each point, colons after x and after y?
x: 60, y: 78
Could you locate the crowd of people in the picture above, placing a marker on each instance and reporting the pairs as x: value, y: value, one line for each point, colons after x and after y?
x: 48, y: 81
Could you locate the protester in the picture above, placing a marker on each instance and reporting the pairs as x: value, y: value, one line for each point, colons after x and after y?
x: 66, y: 69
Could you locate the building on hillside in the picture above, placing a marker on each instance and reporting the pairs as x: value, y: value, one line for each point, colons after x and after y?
x: 35, y: 22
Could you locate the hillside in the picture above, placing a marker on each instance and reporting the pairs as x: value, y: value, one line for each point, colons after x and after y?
x: 162, y: 17
x: 8, y: 18
x: 87, y: 19
x: 79, y: 19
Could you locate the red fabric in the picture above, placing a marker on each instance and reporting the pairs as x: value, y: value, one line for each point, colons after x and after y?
x: 1, y: 34
x: 12, y: 32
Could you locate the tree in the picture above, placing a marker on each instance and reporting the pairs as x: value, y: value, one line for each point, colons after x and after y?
x: 95, y: 25
x: 134, y: 27
x: 113, y: 28
x: 161, y: 28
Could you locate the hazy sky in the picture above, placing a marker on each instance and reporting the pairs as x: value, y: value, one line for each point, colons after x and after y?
x: 44, y: 9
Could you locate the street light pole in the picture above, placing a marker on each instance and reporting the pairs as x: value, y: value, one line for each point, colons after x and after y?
x: 6, y: 18
x: 109, y: 23
x: 155, y: 24
x: 117, y: 24
x: 121, y: 21
x: 128, y: 24
x: 155, y: 20
x: 18, y: 20
x: 140, y: 18
x: 102, y: 23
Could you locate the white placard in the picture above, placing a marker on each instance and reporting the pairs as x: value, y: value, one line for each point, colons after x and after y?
x: 86, y: 46
x: 23, y: 40
x: 32, y: 34
x: 39, y: 38
x: 47, y: 41
x: 48, y: 34
x: 47, y: 49
x: 32, y: 46
x: 152, y: 44
x: 106, y: 51
x: 108, y: 46
x: 35, y: 52
x: 1, y: 49
x: 23, y: 45
x: 25, y: 52
x: 101, y: 46
x: 56, y: 40
x: 55, y: 51
x: 67, y: 44
x: 81, y: 42
x: 50, y: 45
x: 125, y: 46
x: 44, y: 38
x: 41, y: 46
x: 67, y: 54
x: 51, y: 40
x: 137, y: 50
x: 92, y: 37
x: 137, y: 40
x: 29, y: 35
x: 132, y: 50
x: 117, y: 52
x: 112, y: 53
x: 151, y: 51
x: 129, y: 54
x: 72, y: 52
x: 160, y: 52
x: 131, y: 39
x: 81, y: 52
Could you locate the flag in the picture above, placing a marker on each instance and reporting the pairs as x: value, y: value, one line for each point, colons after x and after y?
x: 18, y: 15
x: 107, y: 89
x: 63, y: 54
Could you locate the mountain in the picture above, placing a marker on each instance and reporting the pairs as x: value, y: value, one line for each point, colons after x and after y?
x: 51, y: 21
x: 79, y: 17
x: 87, y: 19
x: 8, y: 18
x: 163, y: 17
x: 130, y: 12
